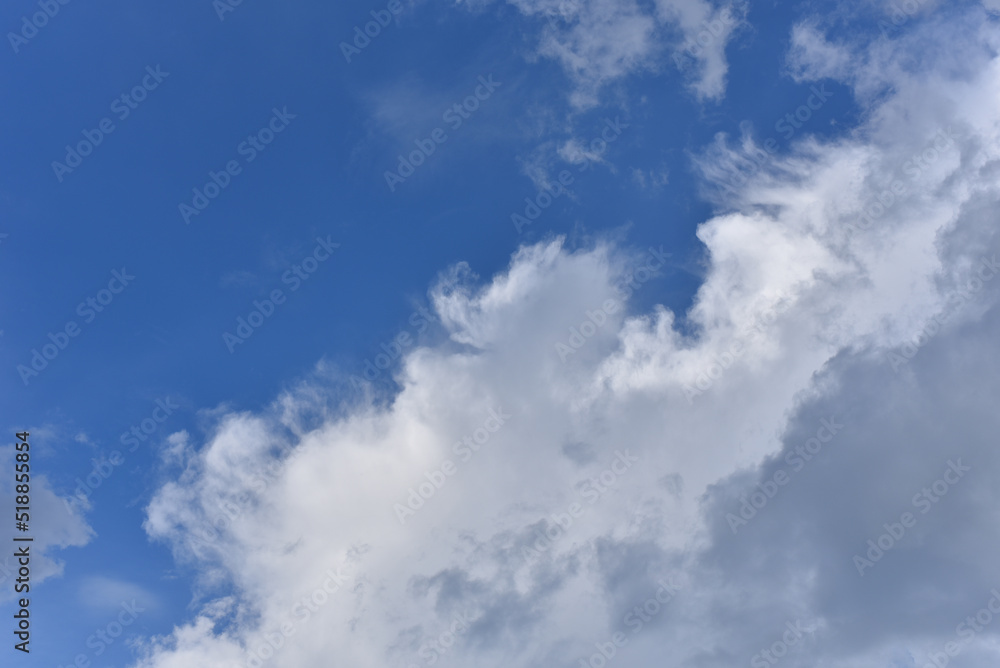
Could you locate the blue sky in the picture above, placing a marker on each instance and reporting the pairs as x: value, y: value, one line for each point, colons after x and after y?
x: 699, y: 157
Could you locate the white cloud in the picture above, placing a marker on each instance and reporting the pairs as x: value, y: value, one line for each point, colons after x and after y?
x: 575, y: 152
x: 813, y: 57
x: 598, y: 42
x: 803, y: 300
x: 54, y: 523
x: 706, y: 30
x: 177, y: 448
